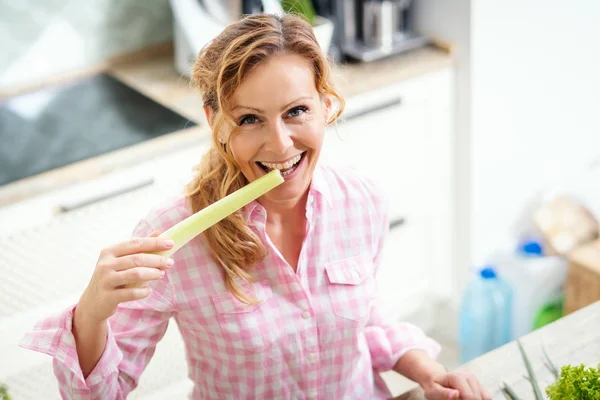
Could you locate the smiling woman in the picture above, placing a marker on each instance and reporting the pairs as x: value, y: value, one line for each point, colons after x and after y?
x: 288, y: 138
x: 278, y: 300
x: 268, y: 106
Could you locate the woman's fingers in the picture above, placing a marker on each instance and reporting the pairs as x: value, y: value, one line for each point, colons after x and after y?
x: 468, y: 385
x: 485, y: 394
x: 131, y: 294
x: 142, y: 260
x: 140, y: 245
x: 460, y: 383
x: 441, y: 393
x: 474, y: 386
x: 134, y: 276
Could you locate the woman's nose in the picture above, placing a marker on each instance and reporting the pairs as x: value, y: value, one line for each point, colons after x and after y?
x: 279, y: 138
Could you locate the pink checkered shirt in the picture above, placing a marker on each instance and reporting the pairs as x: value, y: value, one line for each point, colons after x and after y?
x: 319, y: 332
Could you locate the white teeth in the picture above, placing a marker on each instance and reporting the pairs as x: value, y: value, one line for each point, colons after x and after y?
x: 280, y: 166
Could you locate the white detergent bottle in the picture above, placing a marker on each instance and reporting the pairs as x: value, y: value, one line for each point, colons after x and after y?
x: 536, y: 280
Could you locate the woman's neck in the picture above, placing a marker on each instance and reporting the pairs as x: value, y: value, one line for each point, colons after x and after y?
x: 286, y: 227
x: 283, y: 213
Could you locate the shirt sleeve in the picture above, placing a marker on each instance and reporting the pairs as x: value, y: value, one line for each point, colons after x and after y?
x: 133, y: 332
x: 388, y: 339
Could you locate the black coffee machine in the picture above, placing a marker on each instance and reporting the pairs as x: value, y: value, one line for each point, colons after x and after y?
x: 368, y: 30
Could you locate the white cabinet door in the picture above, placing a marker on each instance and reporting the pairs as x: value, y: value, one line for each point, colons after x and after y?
x: 389, y: 146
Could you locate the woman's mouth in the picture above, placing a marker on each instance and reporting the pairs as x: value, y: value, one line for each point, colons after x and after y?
x: 285, y: 168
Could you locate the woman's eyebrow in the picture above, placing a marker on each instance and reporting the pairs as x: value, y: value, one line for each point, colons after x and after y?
x: 258, y: 110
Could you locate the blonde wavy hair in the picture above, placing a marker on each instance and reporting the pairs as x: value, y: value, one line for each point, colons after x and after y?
x: 220, y: 68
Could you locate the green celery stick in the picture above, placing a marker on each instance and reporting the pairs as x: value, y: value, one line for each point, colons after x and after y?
x: 197, y: 223
x: 184, y: 231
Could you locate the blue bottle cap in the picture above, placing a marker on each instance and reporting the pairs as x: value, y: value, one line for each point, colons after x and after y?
x: 531, y: 248
x: 488, y: 273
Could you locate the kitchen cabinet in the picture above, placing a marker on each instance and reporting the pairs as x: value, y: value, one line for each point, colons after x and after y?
x: 400, y: 136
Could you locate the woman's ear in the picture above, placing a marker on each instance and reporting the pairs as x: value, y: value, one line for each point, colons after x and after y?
x: 210, y: 117
x: 328, y: 103
x: 209, y: 114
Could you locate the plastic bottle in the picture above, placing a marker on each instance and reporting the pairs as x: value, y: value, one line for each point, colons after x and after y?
x: 485, y: 315
x: 536, y: 280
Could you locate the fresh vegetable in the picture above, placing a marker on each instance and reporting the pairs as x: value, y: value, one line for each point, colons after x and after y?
x: 576, y: 383
x: 186, y: 230
x: 573, y: 382
x: 532, y: 379
x: 194, y: 225
x: 509, y: 393
x: 4, y: 392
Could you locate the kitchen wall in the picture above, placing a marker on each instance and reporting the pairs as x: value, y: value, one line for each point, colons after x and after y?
x: 41, y: 38
x: 451, y: 22
x: 535, y: 101
x: 526, y: 94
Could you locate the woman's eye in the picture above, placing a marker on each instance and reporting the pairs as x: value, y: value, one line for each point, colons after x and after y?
x: 296, y: 111
x: 248, y: 119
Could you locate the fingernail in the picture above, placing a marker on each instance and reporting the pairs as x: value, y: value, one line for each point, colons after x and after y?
x: 169, y: 243
x: 162, y: 273
x: 170, y: 262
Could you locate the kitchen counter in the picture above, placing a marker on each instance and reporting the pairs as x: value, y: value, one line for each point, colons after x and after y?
x: 573, y: 339
x: 152, y: 74
x: 157, y: 79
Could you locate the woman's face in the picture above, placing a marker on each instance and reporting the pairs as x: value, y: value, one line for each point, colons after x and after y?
x: 280, y: 123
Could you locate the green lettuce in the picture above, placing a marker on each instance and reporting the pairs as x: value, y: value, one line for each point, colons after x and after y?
x: 4, y: 392
x: 576, y: 383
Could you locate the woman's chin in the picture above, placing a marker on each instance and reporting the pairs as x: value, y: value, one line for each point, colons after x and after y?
x: 290, y: 191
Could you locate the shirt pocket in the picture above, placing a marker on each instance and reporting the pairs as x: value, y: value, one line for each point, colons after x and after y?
x: 247, y: 326
x: 351, y: 287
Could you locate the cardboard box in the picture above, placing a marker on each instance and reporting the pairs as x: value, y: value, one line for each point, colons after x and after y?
x: 566, y: 225
x: 583, y: 279
x: 570, y: 230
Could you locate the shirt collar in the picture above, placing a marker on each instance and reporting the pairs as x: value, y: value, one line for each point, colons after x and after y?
x: 320, y: 185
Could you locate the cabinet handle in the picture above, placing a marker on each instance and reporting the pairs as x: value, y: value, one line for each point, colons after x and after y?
x: 113, y: 190
x: 371, y: 107
x: 396, y: 223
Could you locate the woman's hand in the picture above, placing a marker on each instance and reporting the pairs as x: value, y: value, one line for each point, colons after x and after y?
x: 455, y: 385
x: 123, y: 264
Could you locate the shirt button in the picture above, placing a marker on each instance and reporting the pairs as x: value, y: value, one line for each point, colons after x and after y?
x: 312, y: 357
x: 312, y: 394
x: 310, y: 199
x: 306, y: 315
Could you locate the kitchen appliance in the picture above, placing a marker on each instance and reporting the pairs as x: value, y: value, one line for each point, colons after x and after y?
x: 227, y: 11
x: 65, y: 123
x: 367, y: 30
x: 197, y: 22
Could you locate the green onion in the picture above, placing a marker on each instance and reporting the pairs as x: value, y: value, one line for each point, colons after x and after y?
x: 549, y: 364
x: 509, y: 393
x: 532, y: 379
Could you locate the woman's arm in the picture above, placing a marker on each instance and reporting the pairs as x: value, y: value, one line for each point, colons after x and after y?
x: 90, y: 341
x: 105, y: 360
x: 438, y: 383
x: 418, y: 366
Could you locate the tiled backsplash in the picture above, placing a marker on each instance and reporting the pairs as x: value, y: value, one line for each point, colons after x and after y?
x: 40, y: 38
